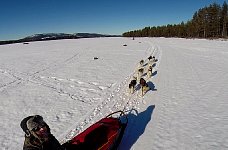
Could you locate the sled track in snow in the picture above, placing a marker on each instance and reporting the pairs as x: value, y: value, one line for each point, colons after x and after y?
x: 119, y: 99
x: 56, y: 64
x: 19, y: 77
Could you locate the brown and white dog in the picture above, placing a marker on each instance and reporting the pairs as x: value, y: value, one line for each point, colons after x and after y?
x: 141, y: 63
x: 144, y: 86
x: 149, y: 71
x: 140, y: 73
x: 132, y: 85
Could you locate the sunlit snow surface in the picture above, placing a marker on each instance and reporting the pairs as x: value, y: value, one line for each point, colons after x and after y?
x: 186, y: 107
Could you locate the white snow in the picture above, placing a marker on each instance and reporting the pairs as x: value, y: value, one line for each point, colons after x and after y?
x: 60, y: 80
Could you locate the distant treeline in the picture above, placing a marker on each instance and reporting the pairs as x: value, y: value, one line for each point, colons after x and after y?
x: 207, y: 22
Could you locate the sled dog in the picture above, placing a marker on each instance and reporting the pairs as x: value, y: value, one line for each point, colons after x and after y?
x: 144, y: 86
x: 132, y: 85
x: 149, y: 58
x: 149, y: 71
x: 152, y: 60
x: 140, y: 73
x: 141, y: 63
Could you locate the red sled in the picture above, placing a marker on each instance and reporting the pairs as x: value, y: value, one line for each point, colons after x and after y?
x: 106, y: 134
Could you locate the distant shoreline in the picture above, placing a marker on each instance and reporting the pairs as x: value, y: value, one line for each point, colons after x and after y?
x: 55, y: 36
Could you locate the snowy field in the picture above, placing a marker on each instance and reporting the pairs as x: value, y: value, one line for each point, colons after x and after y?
x: 186, y: 108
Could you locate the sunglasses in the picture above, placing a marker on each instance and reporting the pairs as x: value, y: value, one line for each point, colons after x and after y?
x: 38, y: 127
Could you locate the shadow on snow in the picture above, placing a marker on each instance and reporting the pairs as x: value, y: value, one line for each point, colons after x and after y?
x: 137, y: 123
x: 152, y: 86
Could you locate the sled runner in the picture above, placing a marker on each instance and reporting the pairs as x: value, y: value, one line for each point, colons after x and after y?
x: 105, y: 134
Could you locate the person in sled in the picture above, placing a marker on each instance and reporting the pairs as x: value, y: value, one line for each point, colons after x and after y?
x: 38, y: 135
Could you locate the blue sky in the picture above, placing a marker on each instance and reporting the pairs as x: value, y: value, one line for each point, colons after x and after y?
x: 21, y: 18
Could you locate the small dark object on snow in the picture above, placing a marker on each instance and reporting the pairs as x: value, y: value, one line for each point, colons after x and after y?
x: 125, y: 45
x: 95, y: 58
x: 25, y: 43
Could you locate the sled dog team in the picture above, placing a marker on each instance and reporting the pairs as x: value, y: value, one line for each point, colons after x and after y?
x: 143, y: 70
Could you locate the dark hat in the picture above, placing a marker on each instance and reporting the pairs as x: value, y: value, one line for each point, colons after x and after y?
x: 34, y: 122
x: 24, y: 126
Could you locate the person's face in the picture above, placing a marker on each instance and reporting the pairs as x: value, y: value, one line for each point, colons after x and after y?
x: 41, y: 131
